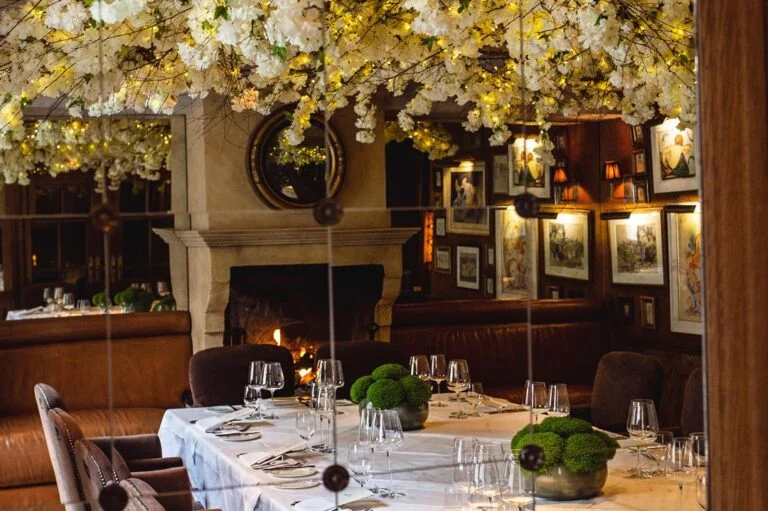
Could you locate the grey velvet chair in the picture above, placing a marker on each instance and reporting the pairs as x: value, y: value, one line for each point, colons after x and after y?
x: 623, y: 376
x: 692, y: 416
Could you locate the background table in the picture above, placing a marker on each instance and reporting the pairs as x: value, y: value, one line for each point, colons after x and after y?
x: 222, y: 481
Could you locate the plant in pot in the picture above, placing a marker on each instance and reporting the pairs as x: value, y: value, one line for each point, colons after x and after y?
x: 390, y: 387
x: 575, y: 457
x: 134, y: 299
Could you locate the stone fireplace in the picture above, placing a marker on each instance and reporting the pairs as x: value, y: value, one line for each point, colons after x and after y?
x: 221, y: 225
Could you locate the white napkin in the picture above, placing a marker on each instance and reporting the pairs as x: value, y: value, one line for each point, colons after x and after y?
x: 350, y: 494
x: 210, y: 424
x: 27, y: 312
x: 257, y: 458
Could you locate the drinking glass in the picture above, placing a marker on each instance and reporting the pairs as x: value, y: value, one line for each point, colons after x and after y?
x: 463, y: 457
x: 360, y: 459
x: 536, y: 398
x: 484, y: 481
x: 419, y: 366
x: 255, y: 377
x: 58, y: 297
x: 251, y: 398
x: 437, y: 372
x: 162, y: 288
x: 681, y: 467
x: 642, y: 426
x: 68, y: 301
x: 700, y: 451
x: 458, y: 381
x: 324, y: 400
x: 273, y: 379
x: 329, y: 373
x: 475, y: 397
x: 83, y: 306
x: 306, y: 426
x: 658, y: 450
x: 47, y: 296
x: 516, y: 485
x: 365, y: 430
x: 387, y: 436
x: 558, y: 403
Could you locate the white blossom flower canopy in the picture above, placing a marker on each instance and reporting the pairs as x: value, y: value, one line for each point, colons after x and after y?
x: 631, y: 56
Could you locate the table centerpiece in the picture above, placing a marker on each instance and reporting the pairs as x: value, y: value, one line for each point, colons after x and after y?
x: 390, y: 387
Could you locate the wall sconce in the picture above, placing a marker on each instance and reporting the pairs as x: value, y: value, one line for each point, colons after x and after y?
x: 612, y: 172
x: 564, y: 189
x: 620, y: 186
x: 429, y: 236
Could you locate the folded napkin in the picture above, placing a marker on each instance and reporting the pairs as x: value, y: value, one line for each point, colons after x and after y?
x: 491, y: 405
x: 254, y: 459
x: 211, y: 424
x: 27, y: 312
x: 350, y: 494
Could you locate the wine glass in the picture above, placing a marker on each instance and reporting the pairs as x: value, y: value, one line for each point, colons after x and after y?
x: 306, y: 426
x: 642, y: 426
x: 255, y: 378
x: 273, y: 379
x: 558, y: 403
x: 162, y: 288
x: 536, y: 398
x: 325, y: 404
x: 47, y: 296
x: 658, y: 450
x: 484, y: 482
x: 58, y: 297
x: 365, y: 429
x: 700, y: 450
x: 419, y: 366
x: 68, y: 301
x: 387, y: 436
x: 360, y: 459
x: 83, y: 306
x: 516, y: 485
x: 458, y: 381
x: 437, y: 373
x: 463, y: 457
x: 475, y: 397
x: 681, y: 467
x: 251, y: 398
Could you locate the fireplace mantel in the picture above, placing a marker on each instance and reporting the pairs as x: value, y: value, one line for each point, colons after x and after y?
x: 291, y: 236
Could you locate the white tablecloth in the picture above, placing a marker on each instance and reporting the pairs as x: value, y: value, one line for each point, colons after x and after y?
x: 221, y: 481
x: 40, y: 313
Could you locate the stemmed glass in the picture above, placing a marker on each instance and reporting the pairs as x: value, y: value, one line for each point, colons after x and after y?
x: 558, y: 403
x: 306, y: 426
x: 330, y: 375
x: 324, y: 403
x: 485, y: 483
x: 700, y: 451
x: 463, y: 457
x: 47, y: 296
x: 642, y: 426
x: 437, y: 372
x: 58, y: 297
x: 419, y: 366
x: 458, y: 381
x: 681, y: 465
x: 658, y: 451
x: 387, y: 436
x: 475, y: 397
x: 360, y: 459
x: 255, y: 382
x: 517, y: 486
x: 536, y: 398
x: 273, y: 379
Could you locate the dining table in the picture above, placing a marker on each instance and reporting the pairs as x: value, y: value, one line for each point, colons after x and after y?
x: 421, y: 465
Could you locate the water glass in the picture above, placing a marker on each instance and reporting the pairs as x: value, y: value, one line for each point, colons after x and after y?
x: 700, y: 450
x: 365, y: 430
x: 458, y: 381
x: 516, y: 486
x: 476, y: 397
x: 162, y: 289
x: 360, y: 460
x: 330, y: 373
x: 58, y: 297
x: 437, y: 373
x: 68, y: 301
x: 558, y: 403
x: 536, y: 398
x: 251, y: 398
x: 485, y: 480
x: 658, y: 450
x: 272, y: 379
x: 306, y: 426
x: 47, y: 296
x: 83, y: 306
x: 419, y: 366
x: 681, y: 467
x: 387, y: 436
x: 643, y: 427
x: 463, y: 458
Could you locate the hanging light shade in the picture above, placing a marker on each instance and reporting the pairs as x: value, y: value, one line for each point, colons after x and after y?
x: 612, y: 171
x: 560, y: 176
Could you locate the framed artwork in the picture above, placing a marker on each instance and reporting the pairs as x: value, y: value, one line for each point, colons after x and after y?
x: 489, y: 286
x: 491, y: 261
x: 641, y: 191
x: 638, y: 136
x: 636, y: 249
x: 468, y: 267
x: 517, y: 243
x: 501, y: 174
x: 561, y: 143
x: 625, y: 310
x: 638, y: 162
x: 440, y: 226
x: 566, y: 246
x: 437, y: 200
x: 685, y: 272
x: 648, y: 312
x: 464, y: 198
x: 438, y: 179
x: 673, y: 154
x: 527, y: 169
x: 553, y: 292
x: 443, y: 259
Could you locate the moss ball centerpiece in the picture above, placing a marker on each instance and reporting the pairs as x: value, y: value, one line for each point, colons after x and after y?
x: 575, y: 457
x: 390, y: 387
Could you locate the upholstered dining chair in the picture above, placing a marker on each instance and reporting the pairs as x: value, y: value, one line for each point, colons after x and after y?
x: 217, y: 376
x: 359, y: 358
x: 141, y: 496
x: 692, y: 416
x: 621, y: 377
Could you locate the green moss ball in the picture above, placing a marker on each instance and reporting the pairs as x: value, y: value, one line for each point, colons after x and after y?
x: 523, y: 437
x: 417, y: 391
x: 609, y: 442
x: 565, y: 426
x: 389, y: 372
x: 552, y: 445
x: 385, y: 394
x: 585, y: 453
x: 358, y: 390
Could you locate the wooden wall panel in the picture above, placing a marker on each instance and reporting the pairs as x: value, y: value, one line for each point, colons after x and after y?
x: 734, y: 154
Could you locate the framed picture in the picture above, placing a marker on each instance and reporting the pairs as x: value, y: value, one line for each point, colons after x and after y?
x: 648, y: 312
x: 468, y: 267
x: 638, y: 136
x: 440, y: 226
x: 437, y: 200
x: 673, y: 152
x: 527, y: 169
x: 561, y: 142
x: 553, y: 292
x: 517, y: 243
x: 636, y: 249
x: 641, y: 191
x: 464, y: 198
x: 625, y: 310
x: 501, y: 173
x: 566, y: 246
x: 638, y: 162
x: 438, y: 179
x: 443, y: 258
x: 685, y: 272
x: 491, y: 261
x: 489, y: 286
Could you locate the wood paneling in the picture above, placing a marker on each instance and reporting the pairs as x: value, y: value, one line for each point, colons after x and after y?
x: 734, y: 154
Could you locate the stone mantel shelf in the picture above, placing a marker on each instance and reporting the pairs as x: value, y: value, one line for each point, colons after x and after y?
x: 290, y: 236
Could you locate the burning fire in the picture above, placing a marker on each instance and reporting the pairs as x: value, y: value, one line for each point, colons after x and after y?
x: 276, y: 336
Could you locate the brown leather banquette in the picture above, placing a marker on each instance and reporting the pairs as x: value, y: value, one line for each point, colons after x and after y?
x: 150, y: 356
x: 567, y: 339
